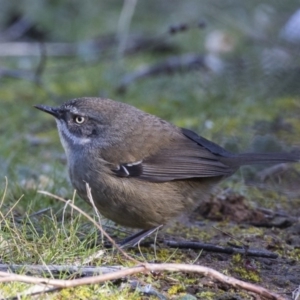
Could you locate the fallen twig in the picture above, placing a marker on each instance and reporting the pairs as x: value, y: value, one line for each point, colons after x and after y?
x: 236, y: 283
x: 57, y: 270
x: 214, y: 248
x: 170, y: 65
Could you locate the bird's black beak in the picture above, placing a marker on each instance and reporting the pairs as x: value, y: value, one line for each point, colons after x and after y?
x: 50, y: 110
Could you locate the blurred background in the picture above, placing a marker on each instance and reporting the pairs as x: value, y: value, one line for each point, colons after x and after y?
x: 226, y: 69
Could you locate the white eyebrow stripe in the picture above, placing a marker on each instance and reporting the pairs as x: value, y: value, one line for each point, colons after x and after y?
x: 72, y: 109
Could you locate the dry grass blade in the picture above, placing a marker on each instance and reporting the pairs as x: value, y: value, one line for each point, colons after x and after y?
x: 91, y: 220
x: 2, y: 201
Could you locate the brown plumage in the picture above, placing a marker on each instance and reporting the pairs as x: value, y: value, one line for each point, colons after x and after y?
x: 142, y: 170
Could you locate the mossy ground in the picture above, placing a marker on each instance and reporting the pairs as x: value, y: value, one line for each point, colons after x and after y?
x: 241, y: 110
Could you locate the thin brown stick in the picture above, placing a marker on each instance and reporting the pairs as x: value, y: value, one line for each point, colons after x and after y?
x: 57, y: 270
x: 93, y: 221
x: 220, y: 249
x: 236, y: 283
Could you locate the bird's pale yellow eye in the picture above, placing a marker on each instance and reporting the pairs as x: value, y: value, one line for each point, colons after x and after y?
x: 79, y: 119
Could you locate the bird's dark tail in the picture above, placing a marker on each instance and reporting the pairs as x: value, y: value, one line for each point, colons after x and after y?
x: 243, y: 159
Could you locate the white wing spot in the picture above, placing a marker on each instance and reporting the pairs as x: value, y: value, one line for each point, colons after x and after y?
x: 127, y: 173
x: 134, y: 164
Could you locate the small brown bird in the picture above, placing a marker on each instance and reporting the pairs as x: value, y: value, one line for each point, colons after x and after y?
x: 142, y: 170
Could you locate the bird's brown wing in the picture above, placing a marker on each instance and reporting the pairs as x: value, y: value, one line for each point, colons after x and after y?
x: 183, y: 158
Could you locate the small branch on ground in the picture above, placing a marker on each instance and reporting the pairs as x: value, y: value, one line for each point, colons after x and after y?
x: 168, y: 66
x: 58, y: 270
x: 236, y: 283
x: 214, y: 248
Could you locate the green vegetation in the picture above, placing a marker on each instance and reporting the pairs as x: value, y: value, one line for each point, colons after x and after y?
x: 242, y: 109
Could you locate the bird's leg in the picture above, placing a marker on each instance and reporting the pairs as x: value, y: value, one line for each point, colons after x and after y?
x: 134, y: 239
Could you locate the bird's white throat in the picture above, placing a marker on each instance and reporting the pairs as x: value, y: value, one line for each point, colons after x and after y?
x: 68, y: 138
